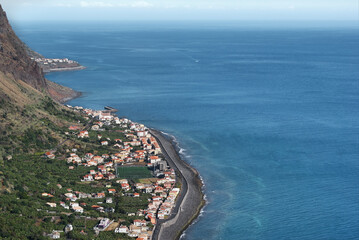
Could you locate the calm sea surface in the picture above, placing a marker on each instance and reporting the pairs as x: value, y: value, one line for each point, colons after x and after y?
x: 268, y: 116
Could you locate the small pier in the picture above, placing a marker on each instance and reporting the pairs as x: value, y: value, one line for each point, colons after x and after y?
x: 111, y: 109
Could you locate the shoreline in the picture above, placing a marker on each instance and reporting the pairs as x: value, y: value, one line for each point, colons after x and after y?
x: 64, y: 69
x: 191, y: 200
x: 66, y: 99
x: 204, y: 202
x: 70, y: 93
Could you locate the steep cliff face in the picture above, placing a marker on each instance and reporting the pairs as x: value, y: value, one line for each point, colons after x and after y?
x: 26, y: 98
x: 16, y: 64
x: 14, y: 58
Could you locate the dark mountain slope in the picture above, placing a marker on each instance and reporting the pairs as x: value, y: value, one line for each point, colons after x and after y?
x: 14, y: 58
x: 16, y: 64
x: 28, y: 101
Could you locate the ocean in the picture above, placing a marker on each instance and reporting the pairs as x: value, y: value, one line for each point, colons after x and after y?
x: 268, y: 115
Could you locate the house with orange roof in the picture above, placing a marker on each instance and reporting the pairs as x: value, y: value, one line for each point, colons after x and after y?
x: 139, y: 223
x: 111, y: 176
x: 88, y: 178
x: 125, y: 186
x: 152, y: 219
x: 156, y: 198
x: 154, y: 159
x: 100, y: 195
x: 92, y: 163
x: 83, y: 134
x: 50, y: 155
x: 158, y: 189
x: 74, y: 128
x: 109, y: 164
x: 112, y: 191
x: 102, y: 169
x: 98, y: 176
x: 88, y: 156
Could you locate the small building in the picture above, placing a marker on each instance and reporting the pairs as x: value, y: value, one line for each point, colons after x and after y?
x: 55, y: 235
x: 112, y: 191
x: 103, y: 224
x: 88, y: 178
x: 50, y: 155
x: 68, y: 228
x: 95, y: 127
x: 78, y: 209
x: 121, y: 229
x: 51, y: 204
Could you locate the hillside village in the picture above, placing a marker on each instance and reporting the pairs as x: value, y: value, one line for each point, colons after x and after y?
x: 56, y: 64
x: 130, y: 166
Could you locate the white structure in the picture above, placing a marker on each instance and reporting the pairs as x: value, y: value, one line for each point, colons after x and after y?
x: 121, y: 229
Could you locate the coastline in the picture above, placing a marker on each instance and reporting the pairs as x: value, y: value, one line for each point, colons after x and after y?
x: 66, y: 99
x: 64, y: 69
x: 191, y: 200
x: 61, y: 93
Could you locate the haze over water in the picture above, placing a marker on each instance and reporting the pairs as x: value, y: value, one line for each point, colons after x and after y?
x: 269, y: 116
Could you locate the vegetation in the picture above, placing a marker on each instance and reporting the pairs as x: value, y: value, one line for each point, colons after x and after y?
x: 31, y: 123
x: 24, y: 213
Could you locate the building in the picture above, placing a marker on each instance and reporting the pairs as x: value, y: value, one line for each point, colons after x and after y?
x: 103, y: 224
x: 121, y: 229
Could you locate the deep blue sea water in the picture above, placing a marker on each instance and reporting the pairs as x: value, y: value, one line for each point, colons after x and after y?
x: 269, y: 116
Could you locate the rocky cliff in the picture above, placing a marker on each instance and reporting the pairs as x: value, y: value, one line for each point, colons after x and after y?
x: 16, y: 63
x: 14, y: 58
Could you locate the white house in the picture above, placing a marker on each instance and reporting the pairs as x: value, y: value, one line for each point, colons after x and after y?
x: 88, y: 178
x: 121, y: 229
x: 55, y: 235
x: 78, y: 209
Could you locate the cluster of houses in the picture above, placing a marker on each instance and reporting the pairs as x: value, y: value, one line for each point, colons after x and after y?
x: 138, y: 229
x: 72, y: 196
x: 105, y: 166
x: 47, y: 61
x: 138, y: 147
x: 163, y: 196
